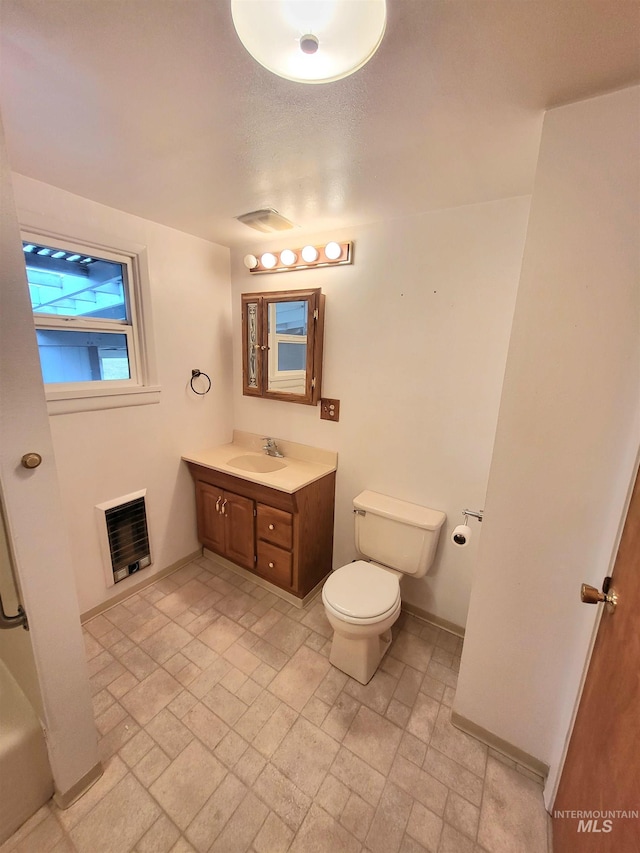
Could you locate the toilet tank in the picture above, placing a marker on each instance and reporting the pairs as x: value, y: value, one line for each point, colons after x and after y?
x: 395, y: 533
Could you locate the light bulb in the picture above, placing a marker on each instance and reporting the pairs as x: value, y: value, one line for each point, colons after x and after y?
x: 268, y: 260
x: 250, y: 262
x: 333, y: 251
x: 309, y: 254
x: 288, y: 258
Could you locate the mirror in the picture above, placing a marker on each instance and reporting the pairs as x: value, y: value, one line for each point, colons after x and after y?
x: 287, y: 332
x: 282, y: 336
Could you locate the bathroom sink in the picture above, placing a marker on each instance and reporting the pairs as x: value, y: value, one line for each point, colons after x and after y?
x: 256, y: 463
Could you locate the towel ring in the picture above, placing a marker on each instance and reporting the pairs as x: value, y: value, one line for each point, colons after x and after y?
x: 194, y: 375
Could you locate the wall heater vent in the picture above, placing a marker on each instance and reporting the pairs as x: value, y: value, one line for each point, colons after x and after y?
x: 125, y: 536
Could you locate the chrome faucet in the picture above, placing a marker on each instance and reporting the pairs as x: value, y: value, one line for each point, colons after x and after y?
x: 271, y: 448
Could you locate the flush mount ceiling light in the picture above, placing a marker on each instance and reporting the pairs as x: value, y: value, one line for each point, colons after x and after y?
x: 310, y: 41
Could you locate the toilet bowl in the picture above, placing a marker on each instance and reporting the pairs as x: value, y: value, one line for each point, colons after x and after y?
x: 362, y: 602
x: 362, y: 599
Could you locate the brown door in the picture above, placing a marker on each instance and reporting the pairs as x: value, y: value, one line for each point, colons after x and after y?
x: 210, y: 520
x: 239, y: 535
x: 225, y: 524
x: 601, y: 775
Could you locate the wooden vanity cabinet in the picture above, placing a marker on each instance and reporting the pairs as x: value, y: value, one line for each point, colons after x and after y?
x: 287, y: 539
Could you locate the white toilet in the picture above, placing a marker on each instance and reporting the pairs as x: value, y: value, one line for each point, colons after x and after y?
x: 362, y: 599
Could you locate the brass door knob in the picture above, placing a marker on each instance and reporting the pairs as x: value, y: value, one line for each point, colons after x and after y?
x: 31, y: 460
x: 591, y: 595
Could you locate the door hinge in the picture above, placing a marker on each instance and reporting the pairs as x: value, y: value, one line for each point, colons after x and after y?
x: 313, y: 382
x: 316, y: 314
x: 255, y: 512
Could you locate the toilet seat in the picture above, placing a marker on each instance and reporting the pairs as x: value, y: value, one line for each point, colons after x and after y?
x: 362, y: 593
x: 363, y: 623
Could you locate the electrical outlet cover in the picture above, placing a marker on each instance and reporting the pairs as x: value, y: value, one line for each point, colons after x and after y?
x: 329, y: 409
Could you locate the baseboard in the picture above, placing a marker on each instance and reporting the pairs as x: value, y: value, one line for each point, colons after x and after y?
x: 67, y: 798
x: 451, y: 627
x: 258, y: 581
x: 133, y: 589
x: 539, y: 768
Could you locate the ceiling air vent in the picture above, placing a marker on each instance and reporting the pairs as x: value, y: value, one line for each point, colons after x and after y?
x: 266, y: 220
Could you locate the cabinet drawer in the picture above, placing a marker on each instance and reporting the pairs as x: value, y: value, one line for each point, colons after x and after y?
x: 274, y: 525
x: 274, y: 564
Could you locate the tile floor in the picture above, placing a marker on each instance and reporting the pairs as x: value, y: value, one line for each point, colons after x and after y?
x: 224, y: 728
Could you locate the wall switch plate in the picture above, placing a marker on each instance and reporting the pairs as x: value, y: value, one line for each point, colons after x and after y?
x: 329, y: 409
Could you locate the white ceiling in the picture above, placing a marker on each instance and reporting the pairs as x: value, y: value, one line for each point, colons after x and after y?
x: 155, y: 108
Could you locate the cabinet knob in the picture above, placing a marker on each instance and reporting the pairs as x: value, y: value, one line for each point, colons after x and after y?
x: 272, y: 527
x: 270, y: 565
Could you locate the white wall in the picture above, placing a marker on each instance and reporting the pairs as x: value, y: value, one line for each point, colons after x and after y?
x: 106, y: 454
x: 415, y: 345
x: 567, y: 432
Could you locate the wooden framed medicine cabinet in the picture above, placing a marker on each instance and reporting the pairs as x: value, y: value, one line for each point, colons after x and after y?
x: 282, y: 335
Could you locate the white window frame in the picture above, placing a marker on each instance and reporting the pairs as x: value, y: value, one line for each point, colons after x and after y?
x: 141, y: 388
x: 280, y: 376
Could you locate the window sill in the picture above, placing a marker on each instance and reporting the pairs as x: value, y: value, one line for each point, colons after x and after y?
x: 67, y: 402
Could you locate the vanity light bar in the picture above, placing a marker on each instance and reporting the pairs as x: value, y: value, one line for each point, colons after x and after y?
x: 332, y: 254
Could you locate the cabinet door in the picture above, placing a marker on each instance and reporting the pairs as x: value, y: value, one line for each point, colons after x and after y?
x: 282, y: 334
x: 239, y: 531
x: 211, y: 526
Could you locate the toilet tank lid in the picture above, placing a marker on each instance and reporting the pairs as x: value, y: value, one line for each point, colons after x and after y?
x: 398, y: 510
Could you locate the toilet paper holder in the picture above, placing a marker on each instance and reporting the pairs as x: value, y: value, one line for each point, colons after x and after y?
x: 462, y: 533
x: 473, y: 513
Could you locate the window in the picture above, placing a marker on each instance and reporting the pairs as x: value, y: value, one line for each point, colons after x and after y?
x: 87, y: 305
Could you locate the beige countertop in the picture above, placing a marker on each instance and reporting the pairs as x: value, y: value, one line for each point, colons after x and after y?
x: 302, y: 464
